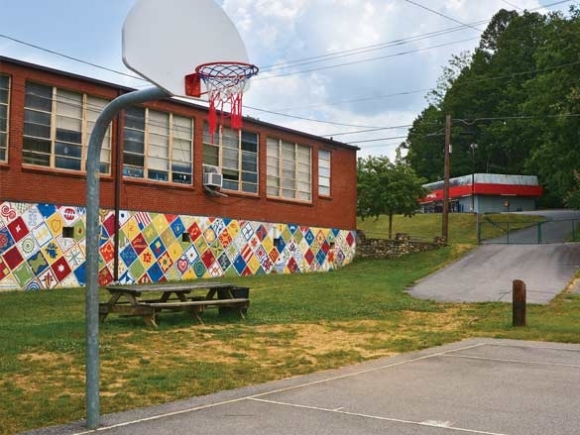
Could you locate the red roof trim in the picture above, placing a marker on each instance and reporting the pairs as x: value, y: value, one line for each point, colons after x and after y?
x: 486, y: 189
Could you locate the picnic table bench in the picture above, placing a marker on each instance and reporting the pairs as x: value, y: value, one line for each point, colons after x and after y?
x: 148, y: 301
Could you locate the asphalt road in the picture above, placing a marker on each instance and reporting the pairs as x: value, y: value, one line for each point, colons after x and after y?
x: 489, y: 387
x: 486, y: 274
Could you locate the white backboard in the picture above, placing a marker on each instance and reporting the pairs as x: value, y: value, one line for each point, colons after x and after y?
x: 164, y: 40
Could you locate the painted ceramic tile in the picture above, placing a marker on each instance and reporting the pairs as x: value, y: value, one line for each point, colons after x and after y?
x: 36, y: 254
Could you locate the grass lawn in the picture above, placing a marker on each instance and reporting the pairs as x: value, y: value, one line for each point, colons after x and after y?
x: 462, y: 226
x: 297, y: 324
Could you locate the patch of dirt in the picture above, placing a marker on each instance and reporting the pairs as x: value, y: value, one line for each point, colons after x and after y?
x: 61, y: 373
x: 291, y: 348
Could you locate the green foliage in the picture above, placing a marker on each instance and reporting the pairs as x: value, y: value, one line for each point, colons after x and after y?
x: 573, y: 196
x: 424, y: 144
x: 517, y: 96
x: 387, y: 188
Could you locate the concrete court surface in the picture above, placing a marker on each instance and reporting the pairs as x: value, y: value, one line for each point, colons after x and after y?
x: 477, y: 386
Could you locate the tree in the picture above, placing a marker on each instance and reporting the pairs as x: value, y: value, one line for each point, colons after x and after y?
x: 573, y: 196
x: 425, y: 144
x: 554, y: 99
x: 517, y: 98
x: 386, y: 188
x: 457, y: 64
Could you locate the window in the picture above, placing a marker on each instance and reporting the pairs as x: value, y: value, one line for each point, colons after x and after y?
x: 289, y: 170
x: 324, y: 172
x: 57, y: 128
x: 95, y: 107
x: 157, y: 146
x: 4, y: 95
x: 236, y: 153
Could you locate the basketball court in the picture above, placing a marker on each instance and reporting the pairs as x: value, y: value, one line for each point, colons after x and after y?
x: 479, y: 386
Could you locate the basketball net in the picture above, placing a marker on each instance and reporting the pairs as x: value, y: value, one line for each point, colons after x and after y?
x: 225, y: 82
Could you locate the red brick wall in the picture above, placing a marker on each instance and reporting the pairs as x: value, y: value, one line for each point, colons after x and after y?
x: 36, y: 184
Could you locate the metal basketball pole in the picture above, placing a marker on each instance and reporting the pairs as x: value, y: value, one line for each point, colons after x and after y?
x: 92, y: 240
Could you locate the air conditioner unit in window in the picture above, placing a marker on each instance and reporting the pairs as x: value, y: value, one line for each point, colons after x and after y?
x: 211, y: 168
x: 212, y: 179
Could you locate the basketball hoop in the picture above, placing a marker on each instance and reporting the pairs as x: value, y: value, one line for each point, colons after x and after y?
x: 225, y: 82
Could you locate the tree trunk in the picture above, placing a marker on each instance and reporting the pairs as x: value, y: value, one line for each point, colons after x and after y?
x: 390, y: 226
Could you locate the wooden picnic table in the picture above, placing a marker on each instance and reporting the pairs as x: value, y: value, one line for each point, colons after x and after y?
x: 149, y: 300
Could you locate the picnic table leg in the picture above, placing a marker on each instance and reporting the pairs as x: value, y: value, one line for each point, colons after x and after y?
x: 111, y: 302
x: 243, y: 308
x: 195, y: 311
x: 150, y: 319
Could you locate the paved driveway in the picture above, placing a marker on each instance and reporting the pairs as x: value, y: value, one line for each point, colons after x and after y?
x: 486, y: 274
x: 489, y: 387
x: 559, y: 226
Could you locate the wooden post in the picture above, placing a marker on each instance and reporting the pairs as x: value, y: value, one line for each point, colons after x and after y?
x: 518, y: 303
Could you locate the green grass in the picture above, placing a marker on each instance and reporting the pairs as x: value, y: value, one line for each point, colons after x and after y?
x: 575, y: 236
x: 462, y: 226
x: 297, y: 324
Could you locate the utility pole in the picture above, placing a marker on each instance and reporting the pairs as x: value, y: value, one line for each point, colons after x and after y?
x: 445, y: 223
x: 473, y: 147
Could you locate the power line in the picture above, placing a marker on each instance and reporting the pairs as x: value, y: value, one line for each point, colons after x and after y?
x: 377, y: 140
x: 516, y: 117
x: 396, y: 127
x: 512, y: 5
x: 310, y: 119
x: 324, y: 57
x: 381, y: 145
x: 484, y: 79
x: 360, y: 99
x: 442, y: 15
x: 462, y: 84
x: 363, y: 49
x: 321, y: 68
x: 66, y: 56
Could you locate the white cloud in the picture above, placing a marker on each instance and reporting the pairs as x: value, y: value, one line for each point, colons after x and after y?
x: 279, y: 31
x: 365, y: 91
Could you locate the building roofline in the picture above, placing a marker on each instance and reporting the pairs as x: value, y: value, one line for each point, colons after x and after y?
x: 123, y: 88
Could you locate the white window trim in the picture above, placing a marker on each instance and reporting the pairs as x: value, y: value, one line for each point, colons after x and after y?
x: 279, y: 176
x: 7, y: 104
x: 324, y: 177
x: 85, y: 134
x: 171, y: 138
x: 219, y: 145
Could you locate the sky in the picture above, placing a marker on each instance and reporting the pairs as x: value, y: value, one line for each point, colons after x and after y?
x: 354, y: 70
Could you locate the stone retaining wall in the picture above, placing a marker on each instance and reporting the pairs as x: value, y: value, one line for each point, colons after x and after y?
x: 397, y: 247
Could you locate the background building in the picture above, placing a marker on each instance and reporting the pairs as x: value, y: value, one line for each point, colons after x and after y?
x: 287, y: 201
x: 485, y: 193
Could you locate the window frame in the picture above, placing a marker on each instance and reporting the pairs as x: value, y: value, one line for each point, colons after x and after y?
x: 55, y: 120
x: 158, y: 139
x: 280, y: 170
x: 217, y: 153
x: 322, y: 177
x: 6, y: 133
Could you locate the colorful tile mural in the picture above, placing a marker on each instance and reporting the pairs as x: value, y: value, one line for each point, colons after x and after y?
x: 156, y: 247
